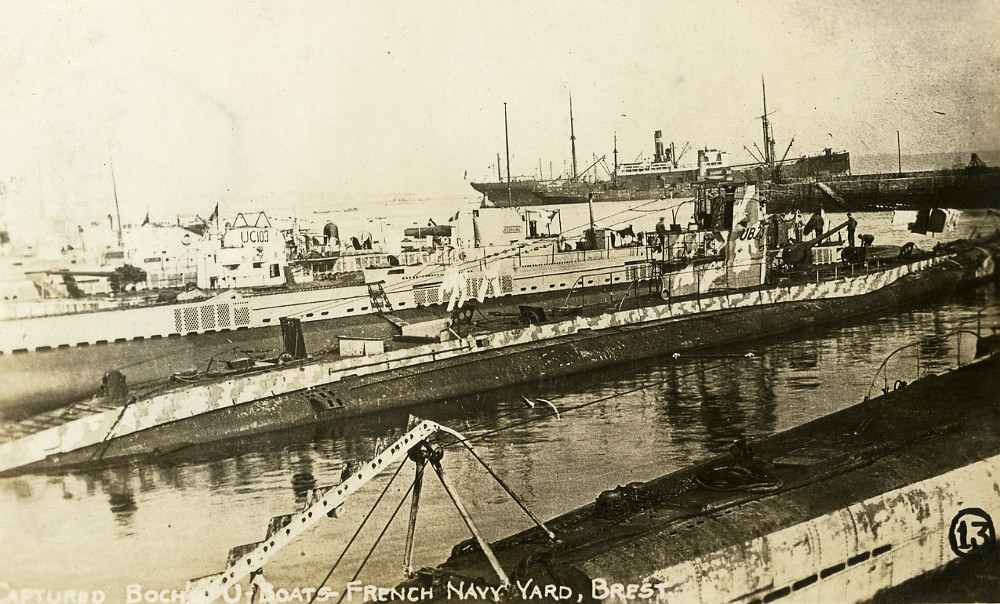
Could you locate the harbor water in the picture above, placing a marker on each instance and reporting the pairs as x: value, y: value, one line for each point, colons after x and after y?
x: 154, y: 524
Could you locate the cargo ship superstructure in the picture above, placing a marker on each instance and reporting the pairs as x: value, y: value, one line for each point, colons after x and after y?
x: 807, y: 183
x: 665, y: 175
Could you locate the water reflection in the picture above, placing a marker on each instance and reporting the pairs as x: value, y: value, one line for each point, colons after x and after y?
x: 302, y: 484
x: 123, y: 507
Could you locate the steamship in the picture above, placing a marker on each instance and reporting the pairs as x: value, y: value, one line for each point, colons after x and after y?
x: 662, y: 176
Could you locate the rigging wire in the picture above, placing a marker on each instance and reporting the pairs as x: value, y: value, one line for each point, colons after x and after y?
x: 358, y: 531
x: 582, y: 405
x: 469, y: 439
x: 379, y: 538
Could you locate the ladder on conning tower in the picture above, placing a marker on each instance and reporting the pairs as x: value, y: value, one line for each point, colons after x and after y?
x: 380, y: 301
x: 322, y: 502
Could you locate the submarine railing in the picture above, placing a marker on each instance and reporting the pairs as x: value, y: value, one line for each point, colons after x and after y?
x: 979, y: 316
x: 633, y: 285
x: 883, y: 369
x: 248, y: 560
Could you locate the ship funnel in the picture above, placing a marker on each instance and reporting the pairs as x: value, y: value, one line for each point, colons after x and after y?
x: 332, y: 234
x: 658, y: 146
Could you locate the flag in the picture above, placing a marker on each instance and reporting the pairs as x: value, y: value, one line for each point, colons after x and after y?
x: 215, y: 214
x: 145, y: 220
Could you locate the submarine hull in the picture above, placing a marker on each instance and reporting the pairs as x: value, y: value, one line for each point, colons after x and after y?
x: 492, y: 368
x: 841, y: 509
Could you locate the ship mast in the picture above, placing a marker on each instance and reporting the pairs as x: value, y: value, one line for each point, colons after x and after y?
x: 615, y: 178
x: 768, y: 135
x: 506, y: 139
x: 572, y: 136
x: 114, y: 188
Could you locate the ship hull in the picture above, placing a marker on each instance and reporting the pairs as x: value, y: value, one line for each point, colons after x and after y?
x: 521, y: 193
x: 969, y: 188
x: 470, y: 370
x: 841, y: 509
x: 642, y: 183
x: 631, y: 188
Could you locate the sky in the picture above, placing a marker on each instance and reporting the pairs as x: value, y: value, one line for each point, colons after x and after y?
x: 331, y: 103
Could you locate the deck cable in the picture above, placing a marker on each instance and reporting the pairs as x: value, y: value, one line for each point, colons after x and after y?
x: 726, y: 486
x: 582, y: 405
x: 470, y: 439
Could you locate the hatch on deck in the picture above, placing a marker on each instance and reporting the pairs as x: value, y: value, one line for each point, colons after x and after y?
x: 808, y: 457
x: 356, y: 347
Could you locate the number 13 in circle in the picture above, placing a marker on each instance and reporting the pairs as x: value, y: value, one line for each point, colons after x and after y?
x: 972, y: 534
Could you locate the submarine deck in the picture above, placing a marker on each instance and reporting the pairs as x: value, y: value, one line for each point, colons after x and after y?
x: 930, y: 427
x: 387, y: 391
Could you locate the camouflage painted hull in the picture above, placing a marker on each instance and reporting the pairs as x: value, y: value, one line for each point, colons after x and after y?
x: 325, y: 392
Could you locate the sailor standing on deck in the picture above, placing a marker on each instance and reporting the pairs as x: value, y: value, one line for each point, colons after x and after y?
x: 852, y: 224
x: 661, y: 230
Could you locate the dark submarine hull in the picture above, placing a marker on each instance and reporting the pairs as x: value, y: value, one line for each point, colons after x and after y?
x: 844, y: 508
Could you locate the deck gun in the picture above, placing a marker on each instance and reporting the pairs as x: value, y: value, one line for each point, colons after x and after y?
x: 798, y: 253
